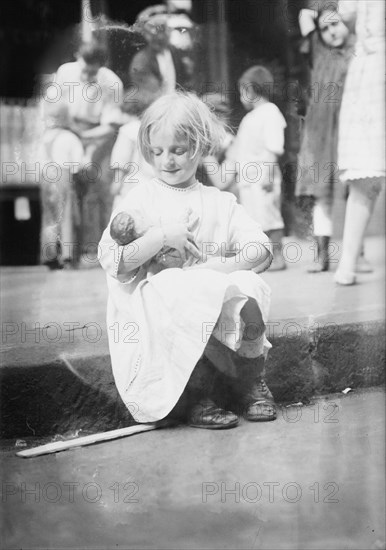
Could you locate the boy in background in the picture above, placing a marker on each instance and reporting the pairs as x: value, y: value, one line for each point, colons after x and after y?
x: 255, y: 153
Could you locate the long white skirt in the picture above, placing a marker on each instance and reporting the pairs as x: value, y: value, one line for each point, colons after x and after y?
x: 159, y: 331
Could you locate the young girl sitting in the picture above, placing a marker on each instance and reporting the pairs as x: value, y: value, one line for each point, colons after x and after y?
x: 180, y: 326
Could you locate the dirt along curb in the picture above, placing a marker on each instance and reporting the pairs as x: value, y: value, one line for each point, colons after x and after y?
x: 77, y: 392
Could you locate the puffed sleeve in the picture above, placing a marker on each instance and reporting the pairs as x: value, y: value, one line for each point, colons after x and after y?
x: 246, y: 234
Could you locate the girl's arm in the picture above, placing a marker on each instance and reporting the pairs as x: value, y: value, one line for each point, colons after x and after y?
x: 254, y: 256
x: 137, y: 253
x: 122, y: 262
x: 176, y: 235
x: 248, y: 248
x: 348, y: 11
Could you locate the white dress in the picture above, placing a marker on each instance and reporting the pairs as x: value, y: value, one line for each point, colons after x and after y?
x: 159, y: 325
x: 361, y: 147
x: 260, y: 138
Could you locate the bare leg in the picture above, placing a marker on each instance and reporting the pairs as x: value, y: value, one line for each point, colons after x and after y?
x: 246, y: 365
x: 255, y: 396
x: 360, y: 205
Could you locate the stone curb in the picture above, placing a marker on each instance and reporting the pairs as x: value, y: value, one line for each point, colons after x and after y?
x: 77, y: 393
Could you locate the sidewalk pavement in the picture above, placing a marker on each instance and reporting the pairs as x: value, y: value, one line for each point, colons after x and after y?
x: 56, y: 372
x: 314, y: 479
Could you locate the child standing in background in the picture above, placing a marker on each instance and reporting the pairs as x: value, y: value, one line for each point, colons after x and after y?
x: 129, y: 168
x: 331, y: 46
x: 255, y: 153
x: 61, y: 212
x: 181, y: 326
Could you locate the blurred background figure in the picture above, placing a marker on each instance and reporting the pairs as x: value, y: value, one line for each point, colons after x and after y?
x: 128, y: 165
x: 247, y: 164
x: 60, y: 154
x: 216, y: 40
x: 183, y: 37
x: 209, y: 170
x: 255, y: 153
x: 361, y: 146
x: 180, y: 26
x: 160, y: 67
x: 329, y: 48
x: 93, y: 95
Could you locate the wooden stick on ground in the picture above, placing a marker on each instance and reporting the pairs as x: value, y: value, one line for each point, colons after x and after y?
x: 86, y: 440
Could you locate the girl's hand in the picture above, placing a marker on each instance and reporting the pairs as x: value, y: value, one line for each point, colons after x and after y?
x: 177, y: 235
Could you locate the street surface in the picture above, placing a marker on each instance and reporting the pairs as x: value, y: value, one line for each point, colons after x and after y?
x: 314, y: 479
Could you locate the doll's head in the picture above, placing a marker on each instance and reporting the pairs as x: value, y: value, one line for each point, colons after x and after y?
x: 126, y: 227
x: 331, y: 27
x: 176, y: 131
x: 255, y: 84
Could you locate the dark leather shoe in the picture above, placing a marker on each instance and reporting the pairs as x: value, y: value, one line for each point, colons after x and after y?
x: 259, y: 405
x: 206, y: 414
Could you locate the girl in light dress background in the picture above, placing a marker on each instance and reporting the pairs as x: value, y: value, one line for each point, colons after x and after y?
x: 251, y: 165
x: 361, y: 146
x: 182, y: 327
x: 260, y: 142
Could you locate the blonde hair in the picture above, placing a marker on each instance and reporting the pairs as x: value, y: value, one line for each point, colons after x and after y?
x: 184, y: 115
